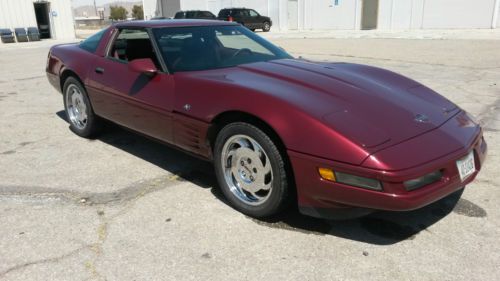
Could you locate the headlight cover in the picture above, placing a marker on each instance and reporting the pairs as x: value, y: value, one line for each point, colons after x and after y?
x: 358, y: 181
x: 423, y: 181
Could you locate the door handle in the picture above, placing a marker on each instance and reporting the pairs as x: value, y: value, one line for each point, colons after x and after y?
x: 99, y: 70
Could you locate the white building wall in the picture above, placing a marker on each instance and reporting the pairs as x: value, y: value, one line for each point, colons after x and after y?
x: 21, y: 13
x: 458, y: 14
x: 347, y: 14
x: 435, y: 14
x: 324, y: 14
x: 215, y: 6
x: 149, y: 8
x: 160, y: 8
x: 12, y: 14
x: 401, y: 14
x: 63, y: 24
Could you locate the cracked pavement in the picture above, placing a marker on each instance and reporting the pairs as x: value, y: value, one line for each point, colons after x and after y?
x: 122, y: 207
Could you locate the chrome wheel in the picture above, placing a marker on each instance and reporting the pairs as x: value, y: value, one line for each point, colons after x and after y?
x: 247, y: 169
x: 76, y: 107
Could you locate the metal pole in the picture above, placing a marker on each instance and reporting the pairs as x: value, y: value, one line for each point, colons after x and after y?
x: 95, y: 8
x: 392, y: 13
x: 423, y: 14
x: 495, y: 14
x: 355, y: 14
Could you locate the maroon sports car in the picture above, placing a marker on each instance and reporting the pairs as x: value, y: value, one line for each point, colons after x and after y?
x: 337, y: 138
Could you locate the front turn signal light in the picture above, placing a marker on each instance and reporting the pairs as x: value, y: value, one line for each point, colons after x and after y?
x: 353, y: 180
x: 326, y: 174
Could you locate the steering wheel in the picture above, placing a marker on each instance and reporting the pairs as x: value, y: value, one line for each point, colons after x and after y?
x: 241, y: 51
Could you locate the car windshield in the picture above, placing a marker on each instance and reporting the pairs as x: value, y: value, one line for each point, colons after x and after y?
x: 211, y: 47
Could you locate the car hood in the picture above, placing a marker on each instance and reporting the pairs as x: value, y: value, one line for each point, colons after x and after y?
x: 373, y: 107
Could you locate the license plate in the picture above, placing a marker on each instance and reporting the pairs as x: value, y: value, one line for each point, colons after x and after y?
x: 466, y: 166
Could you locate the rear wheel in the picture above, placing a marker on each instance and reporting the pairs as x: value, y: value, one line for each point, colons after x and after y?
x: 81, y: 117
x: 250, y: 170
x: 266, y: 27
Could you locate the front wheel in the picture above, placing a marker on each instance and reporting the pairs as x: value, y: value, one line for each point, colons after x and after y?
x: 81, y: 117
x: 250, y: 170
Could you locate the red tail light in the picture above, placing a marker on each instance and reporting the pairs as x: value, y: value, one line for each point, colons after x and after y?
x: 230, y: 18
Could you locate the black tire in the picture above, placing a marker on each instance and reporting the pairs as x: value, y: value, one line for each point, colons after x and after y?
x: 92, y: 124
x: 266, y: 26
x: 279, y: 194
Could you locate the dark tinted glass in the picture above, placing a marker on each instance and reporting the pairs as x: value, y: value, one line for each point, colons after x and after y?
x: 207, y: 14
x: 211, y: 47
x: 179, y: 15
x: 223, y: 13
x: 90, y: 44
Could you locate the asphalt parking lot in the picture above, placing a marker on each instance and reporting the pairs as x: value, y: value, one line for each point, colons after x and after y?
x: 122, y: 207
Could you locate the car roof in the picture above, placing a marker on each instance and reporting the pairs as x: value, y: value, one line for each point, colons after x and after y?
x: 172, y: 23
x: 236, y: 9
x: 183, y: 11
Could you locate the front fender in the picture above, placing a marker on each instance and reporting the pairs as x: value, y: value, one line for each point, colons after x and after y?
x: 211, y: 95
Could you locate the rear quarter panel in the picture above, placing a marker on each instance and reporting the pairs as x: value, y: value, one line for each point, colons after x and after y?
x: 71, y: 57
x: 68, y: 57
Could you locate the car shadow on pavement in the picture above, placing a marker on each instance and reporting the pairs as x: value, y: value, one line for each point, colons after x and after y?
x: 380, y: 228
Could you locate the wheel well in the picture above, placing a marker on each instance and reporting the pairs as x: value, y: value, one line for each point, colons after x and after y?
x: 65, y: 75
x: 225, y: 118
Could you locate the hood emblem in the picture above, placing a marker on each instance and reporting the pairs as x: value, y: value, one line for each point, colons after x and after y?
x: 421, y: 118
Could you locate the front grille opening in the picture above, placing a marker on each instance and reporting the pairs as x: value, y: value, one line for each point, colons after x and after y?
x: 423, y: 181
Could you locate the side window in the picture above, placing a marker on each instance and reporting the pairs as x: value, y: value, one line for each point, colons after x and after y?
x: 131, y: 44
x: 223, y: 13
x: 245, y: 13
x: 90, y: 44
x: 253, y: 13
x: 207, y: 14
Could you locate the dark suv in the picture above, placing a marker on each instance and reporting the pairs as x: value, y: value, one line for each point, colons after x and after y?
x: 247, y: 17
x: 204, y: 15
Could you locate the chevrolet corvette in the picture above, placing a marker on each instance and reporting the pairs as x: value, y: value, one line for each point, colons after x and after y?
x: 339, y: 140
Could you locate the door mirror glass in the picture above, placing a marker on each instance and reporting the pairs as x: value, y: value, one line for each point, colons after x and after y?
x: 145, y: 66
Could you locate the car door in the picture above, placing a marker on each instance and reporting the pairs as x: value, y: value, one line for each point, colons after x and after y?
x: 255, y: 19
x: 135, y: 100
x: 246, y: 19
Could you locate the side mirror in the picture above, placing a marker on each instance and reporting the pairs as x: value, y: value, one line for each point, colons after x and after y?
x: 145, y: 66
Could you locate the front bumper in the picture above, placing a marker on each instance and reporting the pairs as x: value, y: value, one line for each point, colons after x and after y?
x: 321, y: 198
